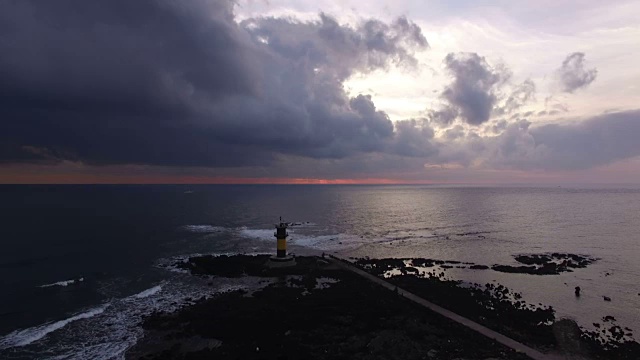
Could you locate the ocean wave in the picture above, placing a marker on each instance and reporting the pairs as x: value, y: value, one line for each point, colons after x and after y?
x: 30, y: 335
x: 301, y: 224
x: 63, y: 283
x: 107, y: 351
x: 316, y: 239
x: 302, y: 238
x: 146, y: 293
x: 261, y: 234
x: 204, y: 229
x: 327, y: 242
x: 308, y: 235
x: 108, y: 331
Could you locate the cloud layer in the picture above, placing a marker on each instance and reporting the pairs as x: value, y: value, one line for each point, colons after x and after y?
x: 184, y: 84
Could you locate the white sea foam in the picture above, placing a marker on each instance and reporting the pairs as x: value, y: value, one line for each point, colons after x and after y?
x: 302, y: 224
x: 326, y: 242
x: 30, y: 335
x: 260, y: 234
x: 301, y: 234
x: 151, y: 291
x: 106, y: 351
x: 204, y: 229
x: 107, y: 332
x: 311, y: 240
x: 63, y: 283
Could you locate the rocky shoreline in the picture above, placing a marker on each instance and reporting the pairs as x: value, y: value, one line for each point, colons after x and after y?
x: 316, y: 310
x: 502, y: 310
x: 533, y: 264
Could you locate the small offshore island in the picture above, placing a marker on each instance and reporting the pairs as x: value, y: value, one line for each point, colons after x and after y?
x: 318, y: 310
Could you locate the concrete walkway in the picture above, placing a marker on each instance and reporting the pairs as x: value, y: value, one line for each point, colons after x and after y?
x: 532, y: 353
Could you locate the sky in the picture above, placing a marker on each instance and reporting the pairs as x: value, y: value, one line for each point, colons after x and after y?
x: 319, y: 92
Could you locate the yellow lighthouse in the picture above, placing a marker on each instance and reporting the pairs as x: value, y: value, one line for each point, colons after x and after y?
x: 281, y: 259
x: 281, y: 237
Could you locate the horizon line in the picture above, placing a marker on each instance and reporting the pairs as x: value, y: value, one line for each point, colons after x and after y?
x: 126, y: 179
x: 514, y: 184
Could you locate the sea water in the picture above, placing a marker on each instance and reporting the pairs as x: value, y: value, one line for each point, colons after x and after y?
x: 80, y: 266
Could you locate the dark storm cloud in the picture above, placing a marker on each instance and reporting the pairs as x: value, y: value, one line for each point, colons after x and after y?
x: 474, y: 86
x: 117, y: 81
x: 120, y: 55
x: 573, y: 75
x: 180, y: 83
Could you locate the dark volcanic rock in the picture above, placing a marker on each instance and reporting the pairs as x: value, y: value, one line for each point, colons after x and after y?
x: 611, y: 342
x: 244, y: 265
x: 547, y: 269
x: 534, y: 264
x: 355, y: 319
x: 425, y: 263
x: 351, y: 319
x: 546, y: 264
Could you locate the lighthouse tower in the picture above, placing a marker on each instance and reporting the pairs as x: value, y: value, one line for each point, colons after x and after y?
x: 281, y: 259
x: 281, y: 236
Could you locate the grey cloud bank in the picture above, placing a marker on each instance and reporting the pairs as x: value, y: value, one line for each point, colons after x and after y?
x: 521, y: 145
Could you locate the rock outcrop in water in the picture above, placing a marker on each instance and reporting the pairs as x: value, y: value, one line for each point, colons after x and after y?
x: 546, y: 264
x: 534, y: 264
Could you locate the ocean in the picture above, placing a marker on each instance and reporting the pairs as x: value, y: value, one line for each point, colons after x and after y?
x: 80, y: 266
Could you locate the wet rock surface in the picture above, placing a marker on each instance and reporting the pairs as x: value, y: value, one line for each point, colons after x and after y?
x: 295, y: 319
